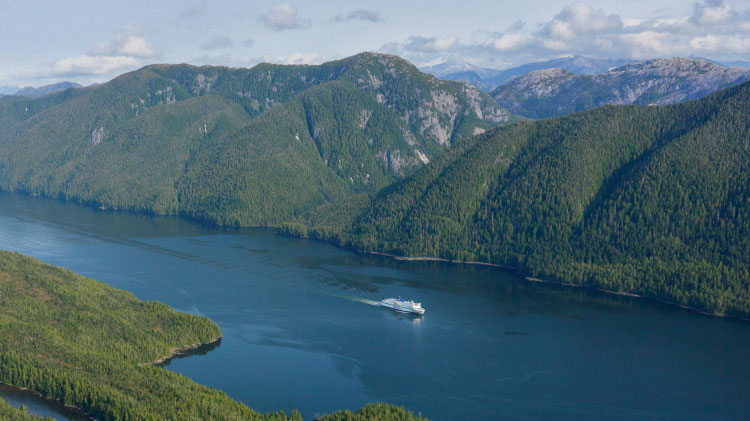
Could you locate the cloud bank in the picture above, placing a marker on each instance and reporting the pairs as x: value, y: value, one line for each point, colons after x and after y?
x: 126, y: 50
x: 713, y: 29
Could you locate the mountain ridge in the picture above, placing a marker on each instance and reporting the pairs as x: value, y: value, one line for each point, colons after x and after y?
x: 488, y: 79
x: 40, y: 91
x: 134, y: 142
x: 555, y: 92
x: 652, y: 201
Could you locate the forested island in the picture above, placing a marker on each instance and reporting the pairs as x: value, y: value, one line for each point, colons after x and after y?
x: 88, y: 345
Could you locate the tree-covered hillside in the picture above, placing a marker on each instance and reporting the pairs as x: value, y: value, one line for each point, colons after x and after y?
x: 87, y: 344
x: 237, y: 146
x: 646, y: 200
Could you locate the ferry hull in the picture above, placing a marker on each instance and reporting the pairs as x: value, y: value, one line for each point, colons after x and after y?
x: 402, y: 310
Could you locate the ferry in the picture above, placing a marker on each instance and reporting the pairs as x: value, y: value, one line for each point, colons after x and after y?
x: 402, y: 305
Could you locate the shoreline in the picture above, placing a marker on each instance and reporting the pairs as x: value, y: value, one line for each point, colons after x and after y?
x: 429, y: 259
x: 180, y: 350
x: 53, y: 401
x: 642, y: 297
x: 544, y: 281
x: 278, y: 230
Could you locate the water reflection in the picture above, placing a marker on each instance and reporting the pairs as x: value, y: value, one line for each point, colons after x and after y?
x: 409, y: 317
x: 38, y: 405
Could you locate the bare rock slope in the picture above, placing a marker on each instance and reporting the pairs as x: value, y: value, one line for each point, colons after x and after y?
x: 555, y: 92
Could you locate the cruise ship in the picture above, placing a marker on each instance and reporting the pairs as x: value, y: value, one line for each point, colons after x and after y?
x: 402, y: 305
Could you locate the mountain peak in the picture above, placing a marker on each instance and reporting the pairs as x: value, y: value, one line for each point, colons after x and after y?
x: 660, y: 81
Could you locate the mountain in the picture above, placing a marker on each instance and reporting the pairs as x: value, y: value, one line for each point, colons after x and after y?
x: 8, y: 90
x: 463, y: 72
x: 555, y: 92
x: 32, y: 92
x: 653, y: 201
x: 443, y: 70
x: 739, y: 63
x: 237, y: 146
x: 488, y: 79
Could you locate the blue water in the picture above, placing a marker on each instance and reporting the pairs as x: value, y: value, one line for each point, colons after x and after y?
x: 38, y: 406
x: 300, y: 330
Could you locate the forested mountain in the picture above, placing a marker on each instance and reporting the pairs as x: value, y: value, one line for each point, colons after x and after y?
x: 89, y: 345
x: 237, y: 146
x: 488, y: 79
x: 557, y: 91
x: 645, y: 200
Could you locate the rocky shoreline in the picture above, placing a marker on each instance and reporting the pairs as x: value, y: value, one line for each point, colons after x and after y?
x: 177, y: 351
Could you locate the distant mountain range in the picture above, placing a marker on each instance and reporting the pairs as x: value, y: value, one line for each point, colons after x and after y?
x: 237, y: 146
x: 32, y: 92
x: 555, y: 92
x: 487, y: 79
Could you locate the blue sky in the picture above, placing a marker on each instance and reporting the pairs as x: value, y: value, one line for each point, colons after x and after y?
x: 93, y: 41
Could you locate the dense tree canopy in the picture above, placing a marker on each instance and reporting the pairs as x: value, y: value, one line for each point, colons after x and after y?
x: 237, y: 146
x: 86, y: 344
x: 646, y: 200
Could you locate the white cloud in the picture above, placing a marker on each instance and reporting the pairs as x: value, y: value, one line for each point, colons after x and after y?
x: 645, y: 44
x: 580, y: 19
x: 727, y: 45
x: 712, y: 13
x: 360, y: 14
x: 433, y: 44
x: 507, y: 42
x: 124, y: 51
x: 711, y: 28
x: 302, y: 58
x: 86, y: 65
x: 125, y: 43
x: 282, y: 17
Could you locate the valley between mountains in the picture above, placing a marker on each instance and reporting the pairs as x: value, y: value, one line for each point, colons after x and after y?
x: 372, y: 154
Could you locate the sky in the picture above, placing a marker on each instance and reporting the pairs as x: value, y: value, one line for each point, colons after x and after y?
x: 93, y: 41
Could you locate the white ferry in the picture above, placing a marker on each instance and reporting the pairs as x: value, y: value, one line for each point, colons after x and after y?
x: 402, y: 305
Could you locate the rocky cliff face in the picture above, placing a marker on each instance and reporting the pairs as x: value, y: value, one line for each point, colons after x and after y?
x: 554, y: 92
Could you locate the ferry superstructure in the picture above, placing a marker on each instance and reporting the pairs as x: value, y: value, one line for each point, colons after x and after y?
x: 402, y: 305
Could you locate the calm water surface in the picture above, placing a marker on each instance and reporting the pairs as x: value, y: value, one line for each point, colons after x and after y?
x: 300, y: 330
x: 39, y: 406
